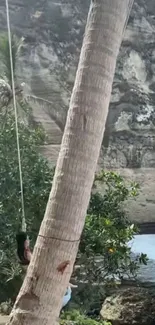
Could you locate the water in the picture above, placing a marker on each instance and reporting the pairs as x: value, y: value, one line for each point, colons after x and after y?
x: 145, y: 244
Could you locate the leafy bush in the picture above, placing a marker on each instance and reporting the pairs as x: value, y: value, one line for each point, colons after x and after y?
x: 37, y: 178
x: 76, y: 318
x: 104, y: 251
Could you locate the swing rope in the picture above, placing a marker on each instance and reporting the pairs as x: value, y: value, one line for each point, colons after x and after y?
x: 23, y: 225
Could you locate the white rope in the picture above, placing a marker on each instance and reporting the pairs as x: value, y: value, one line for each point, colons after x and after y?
x: 16, y: 118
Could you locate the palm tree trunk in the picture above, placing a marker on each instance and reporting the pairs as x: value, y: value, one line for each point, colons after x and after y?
x: 40, y: 298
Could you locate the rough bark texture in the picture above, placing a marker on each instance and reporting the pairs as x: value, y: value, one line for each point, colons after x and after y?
x: 39, y: 300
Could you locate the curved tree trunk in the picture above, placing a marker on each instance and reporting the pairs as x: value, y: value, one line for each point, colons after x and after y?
x: 40, y: 298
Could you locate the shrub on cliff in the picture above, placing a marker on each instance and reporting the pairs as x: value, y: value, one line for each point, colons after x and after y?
x: 107, y: 230
x: 74, y: 317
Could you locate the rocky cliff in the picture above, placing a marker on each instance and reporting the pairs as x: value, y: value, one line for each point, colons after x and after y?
x: 130, y: 306
x: 53, y: 32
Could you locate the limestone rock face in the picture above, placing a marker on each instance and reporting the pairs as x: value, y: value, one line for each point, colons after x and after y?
x: 53, y: 32
x: 131, y: 306
x: 130, y: 132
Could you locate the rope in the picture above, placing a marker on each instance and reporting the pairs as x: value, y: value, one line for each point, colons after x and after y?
x: 23, y: 227
x: 60, y: 239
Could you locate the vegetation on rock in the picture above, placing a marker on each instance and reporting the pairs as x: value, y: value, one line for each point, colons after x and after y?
x: 104, y: 245
x: 74, y: 317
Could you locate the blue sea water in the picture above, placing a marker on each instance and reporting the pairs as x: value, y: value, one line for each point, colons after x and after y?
x: 145, y: 244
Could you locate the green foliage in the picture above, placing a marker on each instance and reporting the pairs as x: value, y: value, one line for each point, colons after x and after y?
x: 88, y: 296
x: 104, y: 250
x: 5, y: 54
x: 37, y: 177
x: 74, y: 317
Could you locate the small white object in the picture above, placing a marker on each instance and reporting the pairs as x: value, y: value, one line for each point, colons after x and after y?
x: 67, y: 297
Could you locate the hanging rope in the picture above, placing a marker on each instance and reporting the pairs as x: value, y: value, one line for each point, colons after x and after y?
x: 23, y: 227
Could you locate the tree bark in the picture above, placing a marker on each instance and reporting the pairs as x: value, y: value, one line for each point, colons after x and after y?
x: 40, y: 298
